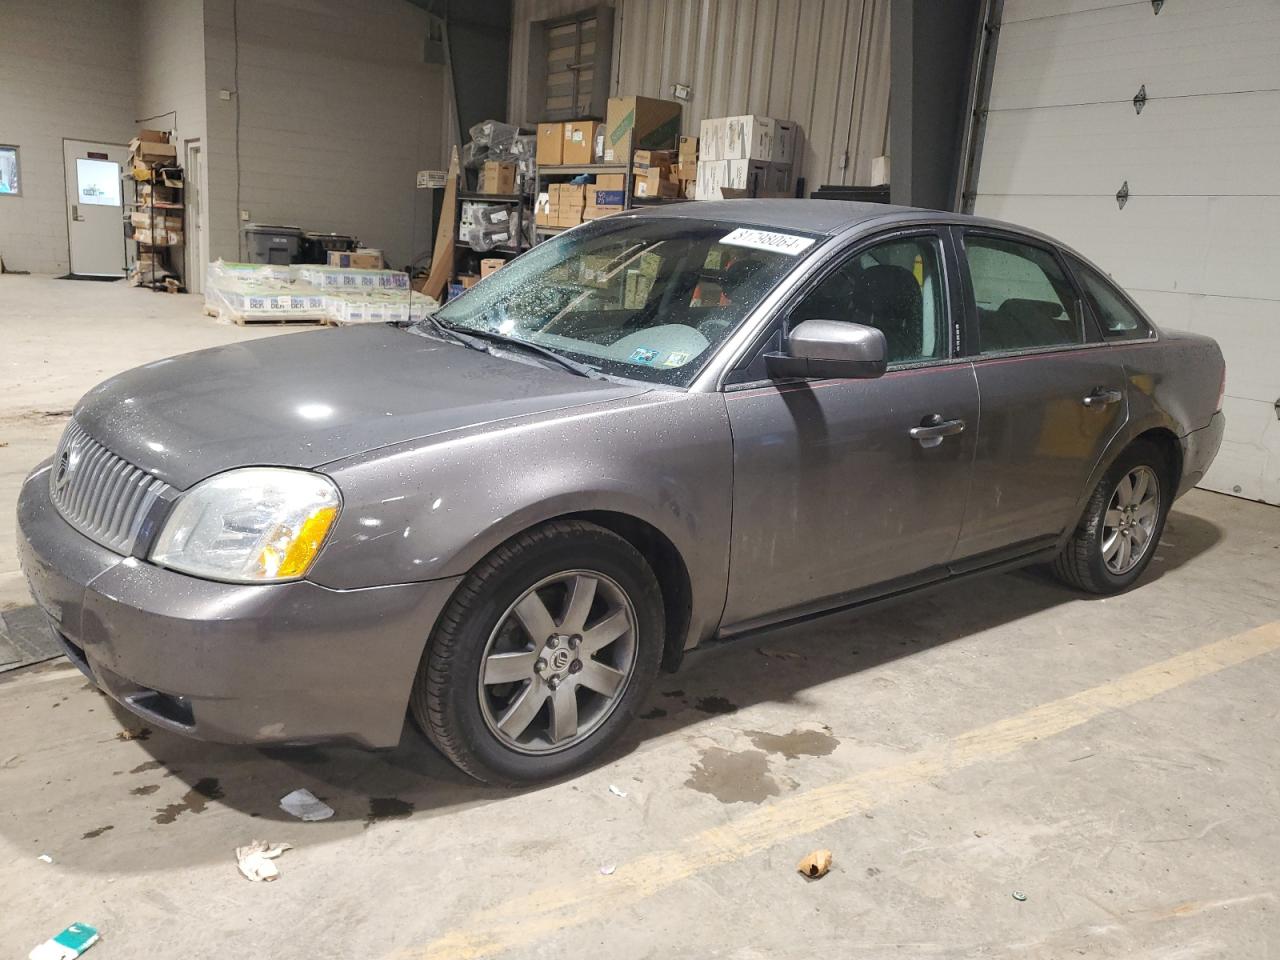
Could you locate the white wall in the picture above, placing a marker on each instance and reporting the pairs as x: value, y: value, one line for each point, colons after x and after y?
x: 66, y: 71
x: 338, y: 111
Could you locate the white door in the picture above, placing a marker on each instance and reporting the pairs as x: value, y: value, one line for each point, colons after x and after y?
x: 1197, y: 238
x: 197, y: 251
x: 95, y: 207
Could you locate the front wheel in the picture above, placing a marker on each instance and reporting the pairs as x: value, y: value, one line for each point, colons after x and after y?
x: 542, y: 656
x: 1122, y: 524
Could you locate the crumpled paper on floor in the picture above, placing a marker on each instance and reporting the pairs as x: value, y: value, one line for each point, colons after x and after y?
x: 255, y: 860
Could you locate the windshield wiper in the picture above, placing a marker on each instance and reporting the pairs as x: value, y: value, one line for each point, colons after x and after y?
x: 452, y: 333
x: 581, y: 369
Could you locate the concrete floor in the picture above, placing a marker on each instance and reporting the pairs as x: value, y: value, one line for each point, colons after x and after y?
x: 1113, y: 761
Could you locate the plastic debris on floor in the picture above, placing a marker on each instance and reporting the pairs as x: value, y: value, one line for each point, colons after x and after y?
x: 67, y: 945
x: 305, y: 805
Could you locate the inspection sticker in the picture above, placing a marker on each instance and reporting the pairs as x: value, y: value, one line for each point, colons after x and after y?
x: 787, y: 243
x: 643, y: 355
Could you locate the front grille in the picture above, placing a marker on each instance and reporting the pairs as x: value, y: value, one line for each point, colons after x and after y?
x: 103, y: 496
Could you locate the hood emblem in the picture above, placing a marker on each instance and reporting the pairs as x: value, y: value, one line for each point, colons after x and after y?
x: 67, y: 464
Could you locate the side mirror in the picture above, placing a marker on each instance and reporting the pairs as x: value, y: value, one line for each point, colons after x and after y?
x: 830, y: 348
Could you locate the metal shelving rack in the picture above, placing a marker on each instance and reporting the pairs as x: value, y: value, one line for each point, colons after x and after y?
x: 157, y: 279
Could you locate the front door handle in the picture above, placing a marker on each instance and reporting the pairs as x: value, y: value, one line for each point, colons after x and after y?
x: 933, y: 430
x: 75, y: 212
x: 1102, y: 398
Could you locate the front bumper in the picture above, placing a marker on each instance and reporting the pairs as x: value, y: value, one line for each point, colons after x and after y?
x: 261, y: 663
x: 1199, y: 447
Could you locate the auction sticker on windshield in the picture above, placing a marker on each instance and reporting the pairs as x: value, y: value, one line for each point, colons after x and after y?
x: 787, y: 243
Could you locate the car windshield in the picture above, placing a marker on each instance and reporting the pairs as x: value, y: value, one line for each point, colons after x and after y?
x: 643, y: 298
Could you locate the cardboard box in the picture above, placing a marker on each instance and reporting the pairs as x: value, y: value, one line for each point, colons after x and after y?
x: 606, y: 198
x: 160, y: 238
x: 779, y: 181
x: 749, y: 138
x: 687, y: 151
x: 358, y: 259
x: 144, y: 220
x: 639, y: 123
x: 601, y: 210
x: 498, y: 177
x: 711, y: 139
x: 153, y: 136
x: 879, y: 172
x: 685, y: 171
x: 748, y: 175
x: 153, y: 150
x: 568, y: 216
x: 550, y: 150
x: 786, y: 141
x: 611, y: 181
x: 468, y: 280
x: 648, y: 159
x: 711, y: 177
x: 657, y: 183
x: 491, y: 265
x: 579, y: 141
x: 572, y: 195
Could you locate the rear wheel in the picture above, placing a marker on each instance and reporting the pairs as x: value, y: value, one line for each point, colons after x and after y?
x: 1122, y: 524
x: 544, y: 653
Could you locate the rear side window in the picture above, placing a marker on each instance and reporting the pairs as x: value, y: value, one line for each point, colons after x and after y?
x: 1119, y: 320
x: 1024, y: 299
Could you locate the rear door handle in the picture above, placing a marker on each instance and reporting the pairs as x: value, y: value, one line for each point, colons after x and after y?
x: 1102, y: 398
x: 933, y: 430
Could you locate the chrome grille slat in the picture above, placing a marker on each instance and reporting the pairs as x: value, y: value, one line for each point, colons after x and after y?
x: 100, y: 494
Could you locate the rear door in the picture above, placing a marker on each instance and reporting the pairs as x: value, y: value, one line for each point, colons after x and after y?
x: 1052, y: 393
x: 832, y: 495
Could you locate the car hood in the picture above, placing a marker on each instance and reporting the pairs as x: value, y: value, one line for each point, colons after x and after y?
x: 306, y: 399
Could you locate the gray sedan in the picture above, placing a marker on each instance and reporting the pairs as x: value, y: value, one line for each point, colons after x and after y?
x: 659, y: 428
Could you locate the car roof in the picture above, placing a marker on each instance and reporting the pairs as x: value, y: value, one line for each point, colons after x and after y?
x: 819, y: 216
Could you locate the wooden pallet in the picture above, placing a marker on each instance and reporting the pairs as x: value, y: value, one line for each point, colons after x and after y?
x: 243, y: 321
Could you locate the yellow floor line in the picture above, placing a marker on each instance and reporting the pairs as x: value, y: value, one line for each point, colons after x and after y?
x: 492, y: 932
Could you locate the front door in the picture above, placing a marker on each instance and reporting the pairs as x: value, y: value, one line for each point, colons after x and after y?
x: 95, y: 207
x: 1052, y: 396
x: 832, y: 493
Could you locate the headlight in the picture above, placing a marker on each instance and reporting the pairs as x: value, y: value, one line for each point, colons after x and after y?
x: 256, y: 525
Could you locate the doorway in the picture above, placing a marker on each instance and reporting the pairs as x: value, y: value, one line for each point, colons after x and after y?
x: 197, y: 253
x: 95, y: 208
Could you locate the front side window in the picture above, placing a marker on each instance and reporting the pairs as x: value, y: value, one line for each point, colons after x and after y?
x: 1024, y: 300
x: 895, y: 286
x: 1119, y: 320
x: 646, y: 299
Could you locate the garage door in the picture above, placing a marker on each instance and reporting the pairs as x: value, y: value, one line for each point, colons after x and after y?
x: 1194, y: 234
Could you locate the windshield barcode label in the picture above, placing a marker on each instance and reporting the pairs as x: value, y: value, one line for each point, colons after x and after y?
x: 787, y: 243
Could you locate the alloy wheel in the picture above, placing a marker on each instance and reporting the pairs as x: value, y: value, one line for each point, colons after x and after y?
x: 1128, y: 527
x: 558, y: 662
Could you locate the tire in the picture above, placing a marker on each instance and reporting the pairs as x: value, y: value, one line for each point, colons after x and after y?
x: 1088, y: 561
x: 462, y: 698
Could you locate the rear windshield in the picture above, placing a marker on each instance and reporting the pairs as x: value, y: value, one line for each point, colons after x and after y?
x: 644, y: 298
